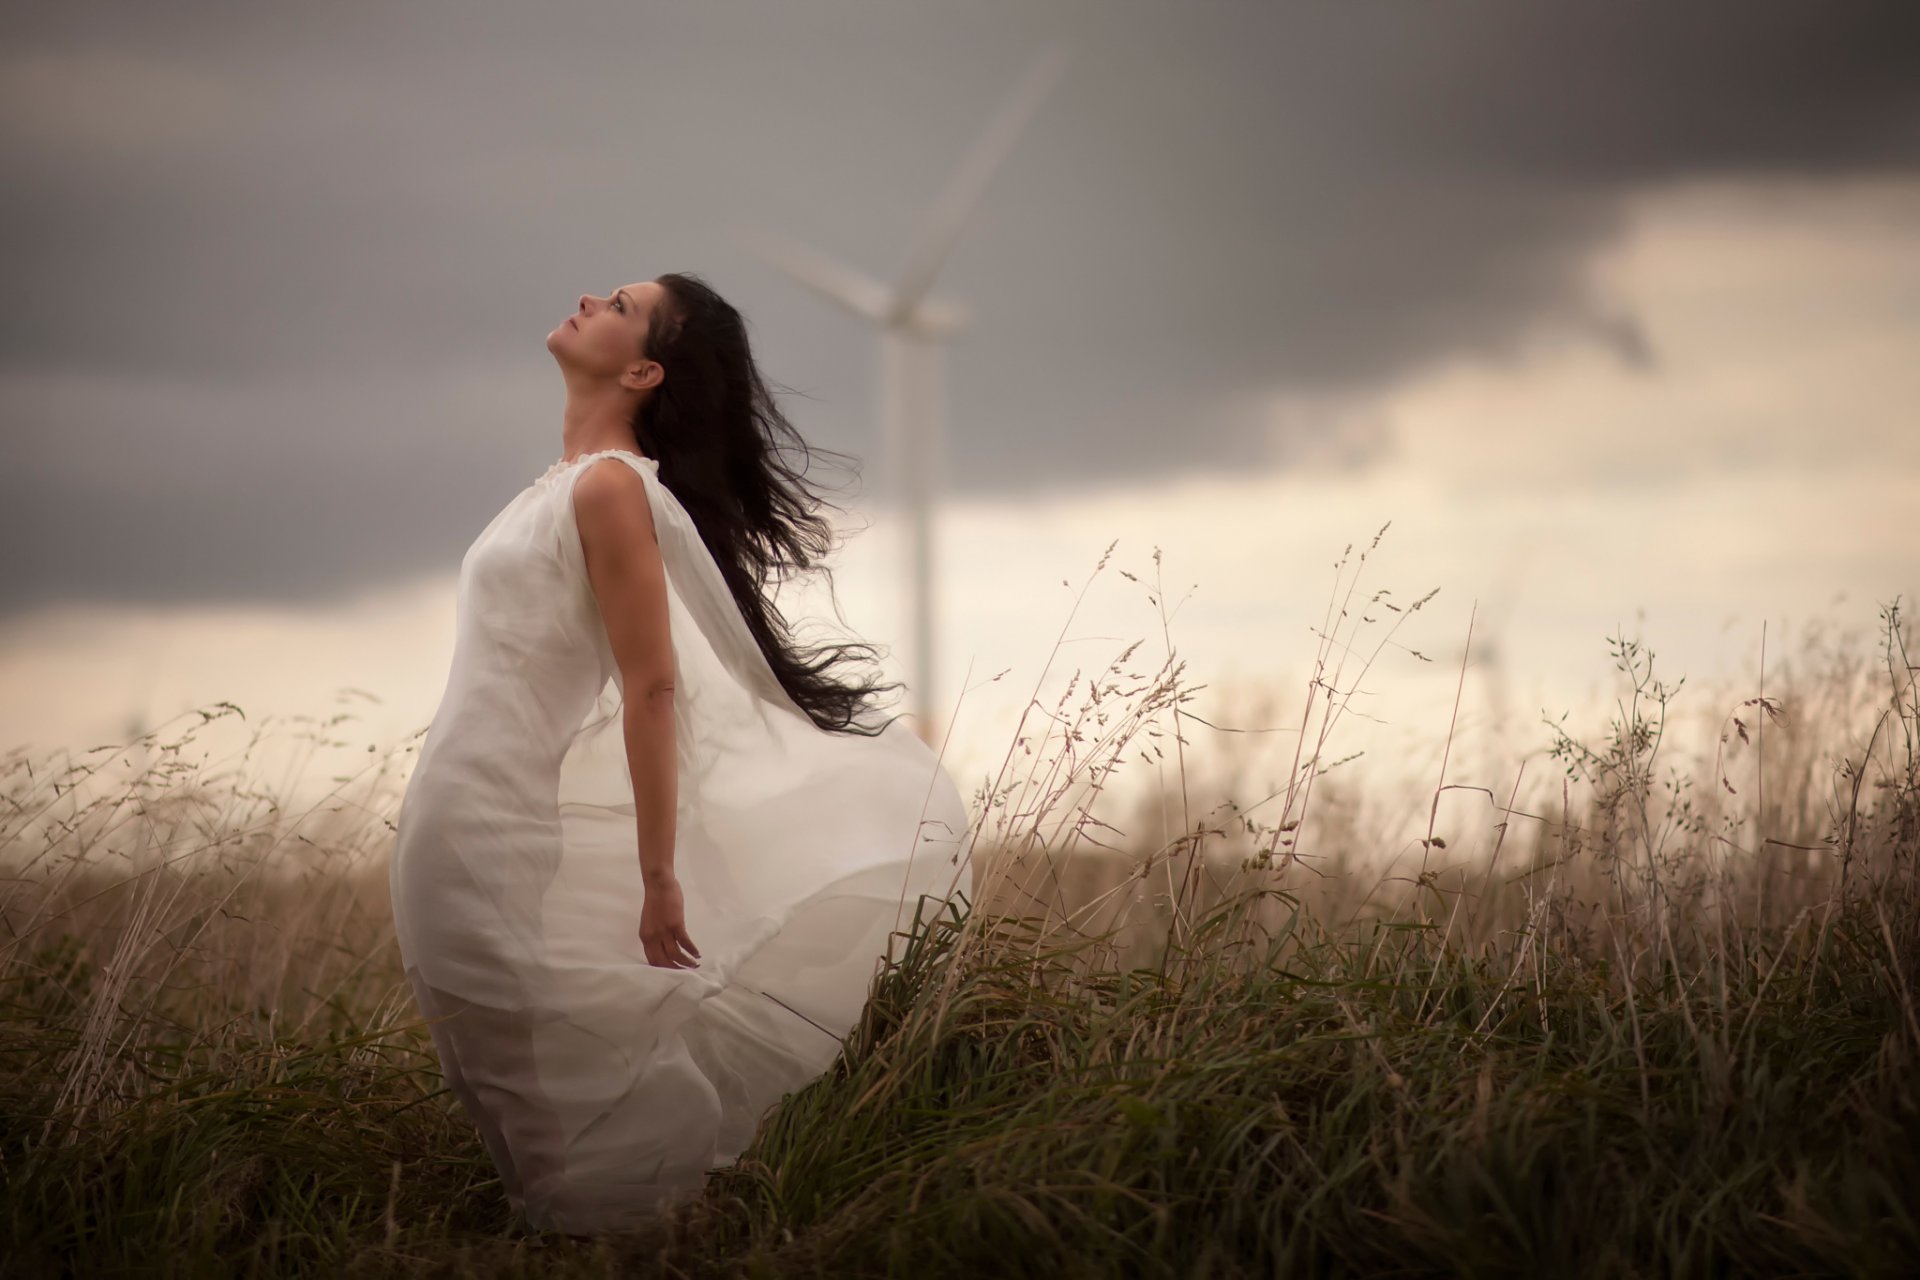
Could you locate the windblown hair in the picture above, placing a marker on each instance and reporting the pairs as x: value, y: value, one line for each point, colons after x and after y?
x: 713, y: 426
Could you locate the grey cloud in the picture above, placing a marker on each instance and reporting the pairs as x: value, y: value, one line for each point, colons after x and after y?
x: 300, y: 264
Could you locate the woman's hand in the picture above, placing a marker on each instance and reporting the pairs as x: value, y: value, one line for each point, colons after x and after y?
x: 663, y: 927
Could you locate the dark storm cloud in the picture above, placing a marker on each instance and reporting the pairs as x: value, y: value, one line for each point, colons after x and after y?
x: 278, y: 282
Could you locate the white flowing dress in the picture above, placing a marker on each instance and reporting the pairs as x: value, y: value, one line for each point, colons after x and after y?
x: 604, y: 1086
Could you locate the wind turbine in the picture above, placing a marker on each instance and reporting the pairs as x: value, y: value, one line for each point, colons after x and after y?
x: 912, y: 360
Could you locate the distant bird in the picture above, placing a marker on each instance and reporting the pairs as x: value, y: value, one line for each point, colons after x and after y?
x: 912, y: 361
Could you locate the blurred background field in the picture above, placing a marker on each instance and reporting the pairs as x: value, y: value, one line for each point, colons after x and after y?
x: 1653, y: 1010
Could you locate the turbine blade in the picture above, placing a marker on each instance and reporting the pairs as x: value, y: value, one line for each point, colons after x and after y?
x: 948, y: 215
x: 837, y: 282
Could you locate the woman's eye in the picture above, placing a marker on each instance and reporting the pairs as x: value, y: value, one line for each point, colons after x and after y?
x: 618, y: 305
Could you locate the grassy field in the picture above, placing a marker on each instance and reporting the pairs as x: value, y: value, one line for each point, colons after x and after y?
x: 1665, y: 1025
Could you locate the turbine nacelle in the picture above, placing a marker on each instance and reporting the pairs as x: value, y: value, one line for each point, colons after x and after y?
x: 852, y: 289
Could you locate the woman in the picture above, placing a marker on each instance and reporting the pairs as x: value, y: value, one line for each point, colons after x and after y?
x: 652, y: 852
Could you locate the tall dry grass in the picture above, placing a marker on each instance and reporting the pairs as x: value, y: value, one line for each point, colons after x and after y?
x: 1645, y: 1011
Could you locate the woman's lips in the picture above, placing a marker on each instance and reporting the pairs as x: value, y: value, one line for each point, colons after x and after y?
x: 571, y: 322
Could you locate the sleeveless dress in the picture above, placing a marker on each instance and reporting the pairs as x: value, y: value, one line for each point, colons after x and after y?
x: 604, y: 1086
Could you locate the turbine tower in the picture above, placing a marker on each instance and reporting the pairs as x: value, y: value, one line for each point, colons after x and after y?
x: 912, y: 328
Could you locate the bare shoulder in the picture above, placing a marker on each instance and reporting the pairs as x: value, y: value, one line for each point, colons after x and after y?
x: 610, y: 503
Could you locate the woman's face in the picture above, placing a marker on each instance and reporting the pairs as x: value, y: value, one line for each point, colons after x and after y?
x: 605, y: 333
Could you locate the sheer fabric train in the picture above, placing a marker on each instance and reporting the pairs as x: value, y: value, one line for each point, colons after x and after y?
x: 605, y: 1087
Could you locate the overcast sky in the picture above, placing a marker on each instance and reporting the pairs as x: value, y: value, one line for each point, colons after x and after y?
x: 279, y: 282
x: 279, y: 277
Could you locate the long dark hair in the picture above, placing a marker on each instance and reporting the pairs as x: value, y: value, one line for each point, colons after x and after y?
x: 713, y: 426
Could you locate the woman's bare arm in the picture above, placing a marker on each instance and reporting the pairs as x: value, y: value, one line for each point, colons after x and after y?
x: 630, y: 584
